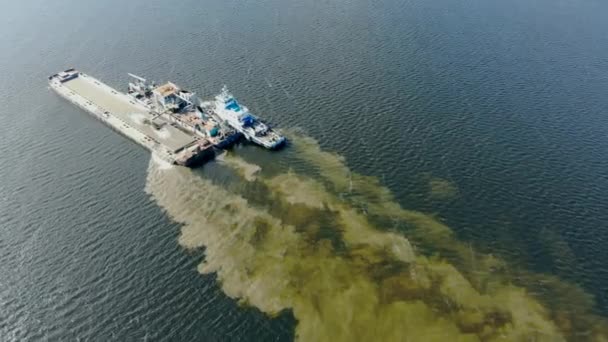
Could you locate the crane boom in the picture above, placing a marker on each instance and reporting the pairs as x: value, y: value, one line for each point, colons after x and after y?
x: 137, y: 77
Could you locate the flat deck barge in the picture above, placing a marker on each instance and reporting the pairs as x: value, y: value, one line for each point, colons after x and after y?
x: 132, y: 119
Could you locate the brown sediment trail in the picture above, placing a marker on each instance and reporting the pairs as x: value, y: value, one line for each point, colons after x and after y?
x: 309, y: 250
x: 442, y: 189
x: 247, y: 170
x: 571, y: 307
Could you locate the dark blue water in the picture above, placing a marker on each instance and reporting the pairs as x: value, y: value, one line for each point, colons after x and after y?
x: 503, y: 101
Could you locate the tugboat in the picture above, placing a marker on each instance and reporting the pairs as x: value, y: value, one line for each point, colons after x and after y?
x: 238, y: 117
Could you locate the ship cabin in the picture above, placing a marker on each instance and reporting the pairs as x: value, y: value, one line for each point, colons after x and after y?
x: 246, y: 119
x: 232, y: 105
x: 66, y: 75
x: 169, y: 97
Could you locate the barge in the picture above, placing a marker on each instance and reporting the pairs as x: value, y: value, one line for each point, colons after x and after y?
x: 156, y: 132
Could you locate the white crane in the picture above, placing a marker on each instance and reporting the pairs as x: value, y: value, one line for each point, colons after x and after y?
x: 141, y: 79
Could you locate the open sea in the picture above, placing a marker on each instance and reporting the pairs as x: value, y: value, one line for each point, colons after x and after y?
x: 446, y: 176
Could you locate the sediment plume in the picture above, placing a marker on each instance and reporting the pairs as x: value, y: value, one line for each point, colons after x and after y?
x: 246, y: 170
x: 339, y: 252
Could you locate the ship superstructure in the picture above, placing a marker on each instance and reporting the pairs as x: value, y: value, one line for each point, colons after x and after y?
x: 182, y: 107
x: 227, y: 108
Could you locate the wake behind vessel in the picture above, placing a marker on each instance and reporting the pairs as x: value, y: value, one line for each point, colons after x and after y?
x: 238, y: 117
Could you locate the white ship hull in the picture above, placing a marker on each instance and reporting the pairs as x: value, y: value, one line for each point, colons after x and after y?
x: 239, y: 118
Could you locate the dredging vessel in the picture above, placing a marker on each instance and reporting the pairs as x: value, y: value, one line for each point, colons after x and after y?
x: 181, y: 107
x: 168, y: 137
x: 238, y: 117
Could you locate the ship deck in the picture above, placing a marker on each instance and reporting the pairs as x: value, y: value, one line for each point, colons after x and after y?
x: 133, y: 114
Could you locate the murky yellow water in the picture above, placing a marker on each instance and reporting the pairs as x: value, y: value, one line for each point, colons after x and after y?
x: 320, y: 246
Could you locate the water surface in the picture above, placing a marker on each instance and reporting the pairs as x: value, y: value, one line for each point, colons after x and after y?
x: 454, y: 143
